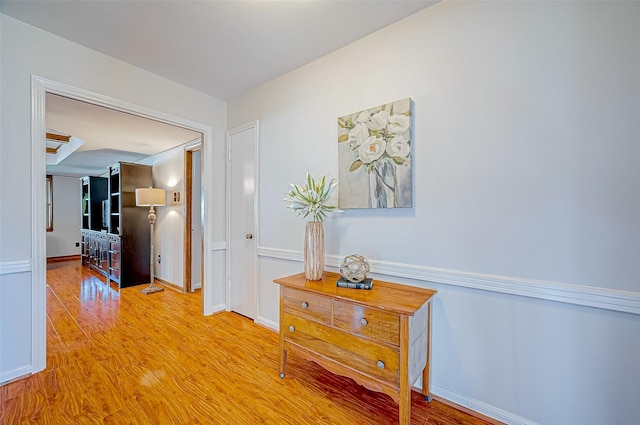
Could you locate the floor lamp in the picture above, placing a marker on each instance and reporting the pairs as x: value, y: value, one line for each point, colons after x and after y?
x: 151, y: 197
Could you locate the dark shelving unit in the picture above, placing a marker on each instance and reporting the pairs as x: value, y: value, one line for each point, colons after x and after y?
x: 129, y: 230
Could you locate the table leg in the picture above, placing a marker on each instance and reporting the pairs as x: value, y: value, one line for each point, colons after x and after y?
x: 283, y: 351
x: 283, y: 359
x: 426, y: 372
x: 405, y: 386
x: 405, y: 405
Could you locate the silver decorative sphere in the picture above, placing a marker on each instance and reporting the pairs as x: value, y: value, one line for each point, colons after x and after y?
x: 354, y: 268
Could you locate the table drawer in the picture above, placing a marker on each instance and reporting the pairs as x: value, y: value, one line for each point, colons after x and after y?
x: 365, y: 356
x: 308, y: 305
x: 376, y: 324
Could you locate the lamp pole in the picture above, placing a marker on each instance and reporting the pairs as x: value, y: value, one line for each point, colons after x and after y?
x: 152, y: 286
x: 151, y: 197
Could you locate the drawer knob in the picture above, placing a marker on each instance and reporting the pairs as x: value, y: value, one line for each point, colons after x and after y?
x: 380, y: 364
x: 305, y: 304
x: 291, y: 328
x: 363, y: 322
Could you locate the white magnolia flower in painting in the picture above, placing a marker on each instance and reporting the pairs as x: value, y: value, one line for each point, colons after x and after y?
x: 380, y: 143
x: 398, y: 147
x: 358, y: 134
x: 371, y: 149
x: 398, y: 124
x: 363, y: 117
x: 378, y: 121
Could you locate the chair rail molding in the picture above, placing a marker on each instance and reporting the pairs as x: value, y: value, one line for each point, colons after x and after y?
x: 591, y: 296
x: 15, y: 266
x: 218, y: 246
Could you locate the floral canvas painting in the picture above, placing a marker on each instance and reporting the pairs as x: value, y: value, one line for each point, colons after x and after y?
x: 374, y: 157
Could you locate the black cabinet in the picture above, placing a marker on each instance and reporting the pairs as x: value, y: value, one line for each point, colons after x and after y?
x: 95, y: 250
x: 114, y: 258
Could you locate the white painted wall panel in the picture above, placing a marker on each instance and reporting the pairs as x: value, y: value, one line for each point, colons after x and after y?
x: 66, y: 218
x: 168, y: 174
x: 268, y: 292
x: 522, y: 166
x: 15, y: 345
x: 525, y: 151
x: 217, y: 300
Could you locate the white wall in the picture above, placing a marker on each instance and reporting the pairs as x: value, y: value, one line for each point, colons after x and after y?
x: 66, y: 218
x: 168, y: 174
x: 27, y: 51
x: 526, y: 211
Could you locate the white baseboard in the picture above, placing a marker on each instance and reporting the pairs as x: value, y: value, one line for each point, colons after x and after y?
x: 208, y: 311
x: 267, y: 323
x: 479, y: 406
x: 10, y: 375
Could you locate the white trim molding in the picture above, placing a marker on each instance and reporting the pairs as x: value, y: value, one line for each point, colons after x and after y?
x: 285, y: 254
x: 11, y: 375
x: 605, y: 298
x: 39, y: 88
x: 270, y: 324
x: 38, y: 222
x: 216, y: 309
x: 15, y: 266
x: 479, y: 406
x: 218, y: 246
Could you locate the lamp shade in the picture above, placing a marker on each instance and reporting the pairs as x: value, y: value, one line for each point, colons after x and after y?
x: 147, y: 196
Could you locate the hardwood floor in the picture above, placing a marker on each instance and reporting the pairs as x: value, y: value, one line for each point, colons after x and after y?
x: 155, y: 359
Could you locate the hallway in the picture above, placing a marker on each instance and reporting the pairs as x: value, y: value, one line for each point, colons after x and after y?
x: 155, y: 359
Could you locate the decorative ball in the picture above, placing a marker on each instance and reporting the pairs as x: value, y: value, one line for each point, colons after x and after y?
x: 354, y: 268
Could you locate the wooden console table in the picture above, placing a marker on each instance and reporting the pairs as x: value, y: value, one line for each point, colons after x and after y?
x: 380, y: 337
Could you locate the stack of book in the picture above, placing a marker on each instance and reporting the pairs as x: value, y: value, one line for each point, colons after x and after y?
x: 367, y: 283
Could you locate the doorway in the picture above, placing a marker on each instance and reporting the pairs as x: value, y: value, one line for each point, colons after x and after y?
x: 40, y: 87
x: 194, y: 219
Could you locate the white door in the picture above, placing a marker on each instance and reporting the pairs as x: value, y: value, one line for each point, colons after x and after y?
x: 197, y: 218
x: 242, y: 146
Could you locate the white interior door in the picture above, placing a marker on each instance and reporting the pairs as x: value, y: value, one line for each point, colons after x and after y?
x: 197, y: 218
x: 242, y: 146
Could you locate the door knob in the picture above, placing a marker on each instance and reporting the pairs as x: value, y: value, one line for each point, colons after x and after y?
x: 249, y: 236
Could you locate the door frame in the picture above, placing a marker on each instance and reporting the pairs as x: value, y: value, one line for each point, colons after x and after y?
x: 39, y: 88
x: 188, y: 223
x: 256, y: 195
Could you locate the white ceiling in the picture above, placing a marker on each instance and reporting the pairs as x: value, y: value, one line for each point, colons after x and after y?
x: 109, y: 136
x: 120, y: 129
x: 220, y: 47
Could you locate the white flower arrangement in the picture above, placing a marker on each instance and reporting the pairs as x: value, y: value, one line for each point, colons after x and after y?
x: 311, y: 199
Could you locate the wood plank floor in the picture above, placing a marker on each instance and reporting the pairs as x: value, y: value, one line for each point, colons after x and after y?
x: 130, y: 358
